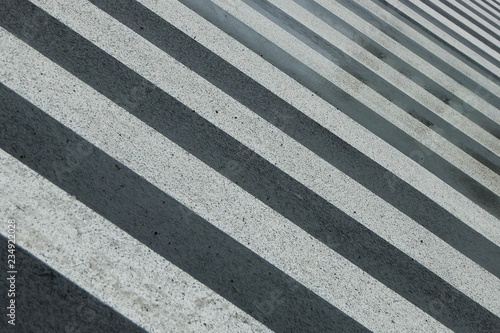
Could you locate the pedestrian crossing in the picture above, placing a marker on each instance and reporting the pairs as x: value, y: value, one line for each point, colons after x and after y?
x: 253, y: 165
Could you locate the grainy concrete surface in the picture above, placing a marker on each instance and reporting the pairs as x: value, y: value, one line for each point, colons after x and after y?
x: 250, y: 166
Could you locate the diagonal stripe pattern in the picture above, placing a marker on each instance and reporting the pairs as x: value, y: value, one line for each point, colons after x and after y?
x: 251, y: 166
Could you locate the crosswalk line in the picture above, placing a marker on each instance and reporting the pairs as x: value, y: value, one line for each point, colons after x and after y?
x: 233, y: 126
x: 236, y: 211
x: 475, y: 14
x: 477, y: 38
x: 389, y: 83
x: 459, y: 18
x: 315, y: 108
x: 257, y: 204
x: 449, y: 33
x: 113, y: 266
x: 441, y: 63
x: 380, y: 106
x: 491, y: 8
x: 482, y: 11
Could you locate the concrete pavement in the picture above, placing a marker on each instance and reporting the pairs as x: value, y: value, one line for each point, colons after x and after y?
x: 255, y: 165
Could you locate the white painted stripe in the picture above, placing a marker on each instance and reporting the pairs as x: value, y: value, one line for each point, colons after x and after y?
x: 288, y: 155
x: 494, y: 4
x: 364, y: 94
x: 415, y: 61
x: 327, y: 115
x: 445, y: 21
x: 107, y: 262
x: 474, y: 15
x: 462, y: 19
x: 203, y: 190
x: 445, y: 36
x: 391, y: 75
x: 484, y: 12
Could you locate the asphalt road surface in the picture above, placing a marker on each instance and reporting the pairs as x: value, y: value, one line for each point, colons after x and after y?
x: 250, y: 166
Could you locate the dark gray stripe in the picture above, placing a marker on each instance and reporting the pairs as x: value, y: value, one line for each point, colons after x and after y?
x: 493, y: 60
x: 133, y: 205
x: 470, y: 19
x: 465, y: 26
x: 46, y: 301
x: 378, y: 84
x: 303, y: 129
x: 349, y: 105
x: 462, y: 25
x: 490, y: 5
x: 486, y: 9
x: 478, y: 13
x: 403, y: 67
x: 163, y: 224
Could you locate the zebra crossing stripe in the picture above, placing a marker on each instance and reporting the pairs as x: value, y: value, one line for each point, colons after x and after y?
x: 251, y: 202
x: 488, y: 8
x: 39, y: 286
x: 251, y: 64
x: 408, y: 96
x: 495, y: 4
x: 464, y: 20
x: 450, y: 33
x: 375, y: 39
x: 289, y: 250
x: 228, y: 124
x: 183, y: 238
x: 478, y: 14
x: 358, y: 111
x: 448, y: 23
x: 317, y: 167
x: 364, y: 94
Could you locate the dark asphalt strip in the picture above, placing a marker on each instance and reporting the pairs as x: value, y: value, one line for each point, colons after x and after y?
x: 46, y: 301
x: 303, y: 129
x: 462, y: 25
x: 470, y: 19
x: 348, y: 105
x: 486, y: 9
x: 404, y: 68
x: 485, y: 55
x: 493, y: 60
x: 378, y: 84
x: 495, y: 9
x: 478, y: 13
x: 164, y: 225
x: 260, y: 178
